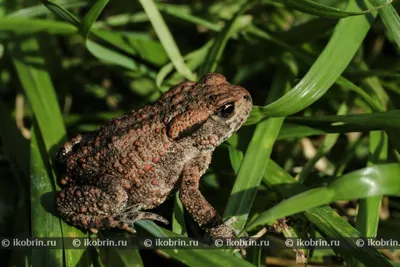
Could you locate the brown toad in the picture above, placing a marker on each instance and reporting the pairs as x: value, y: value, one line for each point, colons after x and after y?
x: 135, y: 161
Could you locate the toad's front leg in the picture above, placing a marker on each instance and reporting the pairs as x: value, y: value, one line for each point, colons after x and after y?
x: 195, y: 203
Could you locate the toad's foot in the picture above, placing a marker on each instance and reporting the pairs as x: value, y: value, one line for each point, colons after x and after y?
x: 132, y: 214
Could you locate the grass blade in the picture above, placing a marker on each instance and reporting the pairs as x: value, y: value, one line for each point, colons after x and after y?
x: 256, y: 158
x: 166, y: 38
x: 63, y: 13
x: 311, y: 7
x: 215, y: 52
x: 390, y: 18
x: 39, y: 10
x: 38, y: 87
x: 371, y: 121
x: 19, y: 26
x: 370, y: 181
x: 44, y: 224
x: 346, y: 40
x: 91, y: 17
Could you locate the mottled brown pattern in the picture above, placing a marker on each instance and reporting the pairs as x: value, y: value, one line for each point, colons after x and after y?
x: 136, y: 160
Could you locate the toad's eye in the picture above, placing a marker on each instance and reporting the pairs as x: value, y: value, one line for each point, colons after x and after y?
x: 227, y: 110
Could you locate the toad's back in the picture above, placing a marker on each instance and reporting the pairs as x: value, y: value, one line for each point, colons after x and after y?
x: 135, y: 148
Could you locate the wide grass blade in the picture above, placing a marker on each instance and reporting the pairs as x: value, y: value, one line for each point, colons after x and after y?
x: 371, y: 181
x: 18, y: 26
x: 111, y: 56
x: 36, y: 82
x: 256, y: 158
x: 344, y: 43
x: 44, y: 224
x: 38, y: 87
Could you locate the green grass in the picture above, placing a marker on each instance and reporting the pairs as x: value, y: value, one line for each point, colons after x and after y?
x: 320, y: 148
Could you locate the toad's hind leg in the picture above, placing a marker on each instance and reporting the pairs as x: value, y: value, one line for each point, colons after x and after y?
x: 90, y: 207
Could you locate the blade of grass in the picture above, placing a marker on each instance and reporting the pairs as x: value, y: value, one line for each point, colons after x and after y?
x: 177, y: 12
x: 36, y: 82
x: 368, y: 211
x: 63, y: 13
x: 313, y: 8
x: 371, y: 181
x: 40, y: 10
x: 43, y: 223
x: 166, y: 38
x: 256, y: 158
x: 111, y: 56
x: 371, y: 121
x: 348, y: 85
x: 194, y: 59
x: 390, y: 18
x: 38, y: 87
x: 138, y: 45
x: 12, y: 26
x: 214, y: 55
x: 291, y: 131
x: 91, y: 17
x: 178, y: 217
x: 346, y: 40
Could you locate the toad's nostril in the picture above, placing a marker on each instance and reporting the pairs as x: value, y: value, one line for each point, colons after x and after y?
x: 246, y: 97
